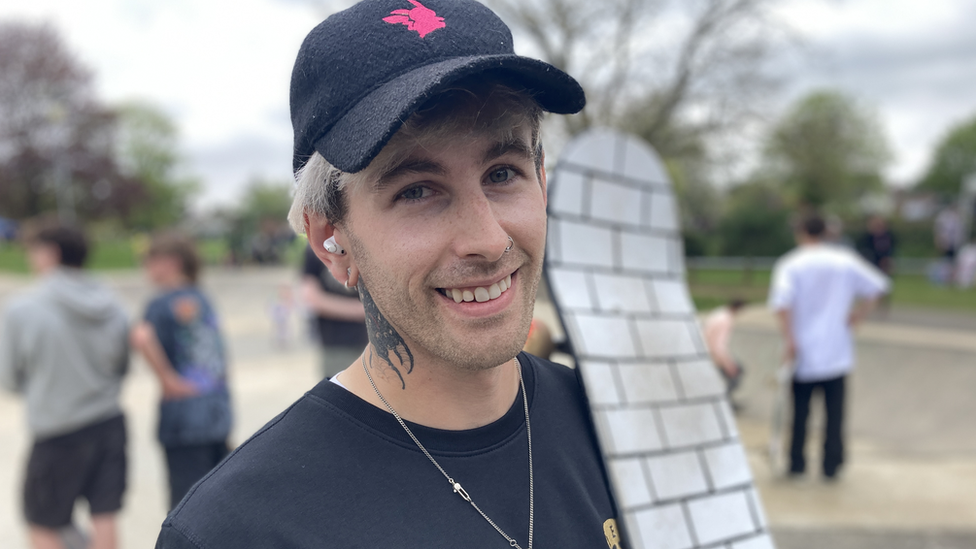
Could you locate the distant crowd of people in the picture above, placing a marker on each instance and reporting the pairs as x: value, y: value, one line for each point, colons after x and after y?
x: 958, y: 266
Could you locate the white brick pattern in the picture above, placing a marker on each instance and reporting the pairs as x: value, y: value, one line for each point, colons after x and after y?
x: 616, y: 271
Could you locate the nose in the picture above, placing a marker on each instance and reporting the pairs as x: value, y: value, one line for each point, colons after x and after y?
x: 479, y: 231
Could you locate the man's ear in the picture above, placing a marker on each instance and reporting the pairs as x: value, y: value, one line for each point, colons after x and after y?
x: 342, y: 266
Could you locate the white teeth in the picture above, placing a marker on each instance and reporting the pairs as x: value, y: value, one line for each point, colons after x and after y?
x: 494, y: 291
x: 481, y: 295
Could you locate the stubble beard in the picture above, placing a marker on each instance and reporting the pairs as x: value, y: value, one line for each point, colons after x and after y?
x: 425, y: 332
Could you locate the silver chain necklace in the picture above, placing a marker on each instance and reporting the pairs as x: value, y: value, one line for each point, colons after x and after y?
x: 457, y: 485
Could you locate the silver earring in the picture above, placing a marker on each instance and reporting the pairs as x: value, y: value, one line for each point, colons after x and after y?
x: 331, y: 246
x: 510, y: 244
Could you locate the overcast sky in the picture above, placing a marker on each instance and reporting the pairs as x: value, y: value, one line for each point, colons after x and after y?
x: 220, y: 68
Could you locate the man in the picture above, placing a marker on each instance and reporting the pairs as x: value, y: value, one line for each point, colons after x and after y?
x: 64, y: 346
x: 339, y: 321
x: 948, y: 232
x: 878, y: 248
x: 820, y: 292
x: 718, y: 327
x: 422, y: 185
x: 878, y: 244
x: 180, y: 339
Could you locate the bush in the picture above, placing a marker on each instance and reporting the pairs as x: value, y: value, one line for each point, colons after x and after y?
x: 755, y: 223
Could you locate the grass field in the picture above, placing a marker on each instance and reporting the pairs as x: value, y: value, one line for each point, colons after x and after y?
x: 107, y: 255
x: 713, y: 288
x: 110, y: 255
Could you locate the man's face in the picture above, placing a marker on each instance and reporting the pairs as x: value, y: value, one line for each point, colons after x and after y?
x: 163, y: 270
x: 43, y: 257
x: 434, y: 227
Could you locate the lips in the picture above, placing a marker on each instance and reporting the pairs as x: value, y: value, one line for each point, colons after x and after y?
x: 479, y: 294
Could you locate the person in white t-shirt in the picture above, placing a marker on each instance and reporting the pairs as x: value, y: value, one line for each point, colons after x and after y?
x: 819, y: 292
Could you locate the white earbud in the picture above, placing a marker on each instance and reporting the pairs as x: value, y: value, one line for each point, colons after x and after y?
x: 332, y: 247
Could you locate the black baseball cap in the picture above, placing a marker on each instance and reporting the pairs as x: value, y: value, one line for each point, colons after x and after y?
x: 363, y: 71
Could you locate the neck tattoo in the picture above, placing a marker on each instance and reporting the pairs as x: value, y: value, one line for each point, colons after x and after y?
x: 456, y: 486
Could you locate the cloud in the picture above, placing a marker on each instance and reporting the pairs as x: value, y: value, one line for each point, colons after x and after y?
x: 229, y: 166
x: 915, y: 63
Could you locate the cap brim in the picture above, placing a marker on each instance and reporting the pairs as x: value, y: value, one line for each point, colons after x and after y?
x: 358, y: 136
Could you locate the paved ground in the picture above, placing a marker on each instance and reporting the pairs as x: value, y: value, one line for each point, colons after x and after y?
x: 911, y: 471
x: 909, y: 483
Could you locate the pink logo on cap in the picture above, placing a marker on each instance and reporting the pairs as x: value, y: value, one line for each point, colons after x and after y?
x: 421, y: 19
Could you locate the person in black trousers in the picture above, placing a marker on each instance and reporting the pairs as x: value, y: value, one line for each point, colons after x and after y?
x: 819, y: 292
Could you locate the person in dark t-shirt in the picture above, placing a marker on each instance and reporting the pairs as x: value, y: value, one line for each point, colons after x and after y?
x: 180, y: 339
x: 339, y: 321
x: 877, y: 246
x: 420, y: 182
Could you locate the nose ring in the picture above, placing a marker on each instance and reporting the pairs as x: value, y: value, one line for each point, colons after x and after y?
x: 510, y: 244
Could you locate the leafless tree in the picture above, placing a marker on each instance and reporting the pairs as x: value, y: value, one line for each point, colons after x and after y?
x: 674, y: 71
x: 56, y: 141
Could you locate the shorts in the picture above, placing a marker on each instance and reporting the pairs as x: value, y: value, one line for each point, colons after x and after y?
x: 89, y: 463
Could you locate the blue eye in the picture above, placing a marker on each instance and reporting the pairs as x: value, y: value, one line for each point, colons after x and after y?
x: 501, y: 175
x: 414, y: 193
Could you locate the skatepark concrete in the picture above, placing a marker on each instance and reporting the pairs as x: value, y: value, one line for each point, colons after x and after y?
x: 908, y: 482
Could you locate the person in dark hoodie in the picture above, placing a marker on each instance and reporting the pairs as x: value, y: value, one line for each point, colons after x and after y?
x: 64, y: 346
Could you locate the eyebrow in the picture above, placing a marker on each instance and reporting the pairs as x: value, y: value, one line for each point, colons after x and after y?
x: 421, y: 165
x: 414, y: 165
x: 501, y: 148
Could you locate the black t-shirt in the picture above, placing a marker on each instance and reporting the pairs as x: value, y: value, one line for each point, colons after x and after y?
x: 877, y: 247
x: 334, y: 471
x: 330, y: 330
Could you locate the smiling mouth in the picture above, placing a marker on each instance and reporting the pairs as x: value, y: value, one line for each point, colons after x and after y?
x: 479, y: 294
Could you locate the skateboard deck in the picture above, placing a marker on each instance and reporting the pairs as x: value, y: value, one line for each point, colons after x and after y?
x: 615, y: 268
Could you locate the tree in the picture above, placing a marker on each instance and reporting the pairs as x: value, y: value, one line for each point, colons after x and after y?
x: 147, y: 153
x: 698, y: 203
x: 953, y: 161
x: 55, y: 140
x: 827, y: 151
x: 700, y: 63
x: 756, y: 222
x: 259, y: 229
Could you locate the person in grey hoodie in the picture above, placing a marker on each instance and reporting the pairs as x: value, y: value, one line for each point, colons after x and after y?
x: 64, y: 346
